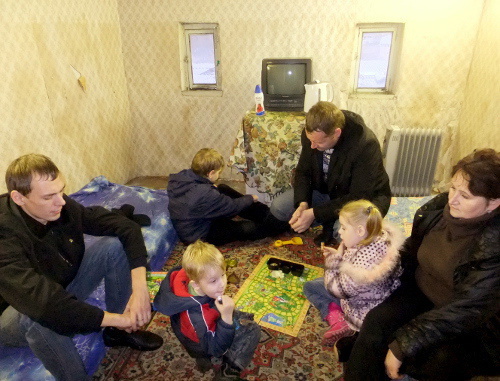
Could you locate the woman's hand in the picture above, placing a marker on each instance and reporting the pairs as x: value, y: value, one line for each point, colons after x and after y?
x: 392, y: 365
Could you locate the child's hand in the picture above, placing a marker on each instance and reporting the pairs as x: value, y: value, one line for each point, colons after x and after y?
x: 328, y: 251
x: 225, y: 305
x: 255, y: 198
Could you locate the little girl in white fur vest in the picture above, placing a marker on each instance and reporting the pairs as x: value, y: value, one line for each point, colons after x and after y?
x: 359, y: 275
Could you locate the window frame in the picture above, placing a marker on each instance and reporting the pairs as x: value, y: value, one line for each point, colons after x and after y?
x: 186, y: 30
x: 394, y: 56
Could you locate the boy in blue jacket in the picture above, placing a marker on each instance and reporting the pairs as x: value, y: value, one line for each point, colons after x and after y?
x: 202, y: 317
x: 201, y: 210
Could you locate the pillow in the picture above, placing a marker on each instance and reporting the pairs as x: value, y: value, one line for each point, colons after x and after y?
x: 160, y: 237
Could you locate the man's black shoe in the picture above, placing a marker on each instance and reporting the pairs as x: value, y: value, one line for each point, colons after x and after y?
x: 343, y: 347
x: 140, y: 340
x: 326, y: 236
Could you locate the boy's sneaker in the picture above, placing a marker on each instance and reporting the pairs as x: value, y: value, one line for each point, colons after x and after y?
x: 226, y: 372
x: 203, y: 364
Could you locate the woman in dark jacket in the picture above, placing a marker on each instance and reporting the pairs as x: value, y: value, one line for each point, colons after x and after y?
x: 443, y: 322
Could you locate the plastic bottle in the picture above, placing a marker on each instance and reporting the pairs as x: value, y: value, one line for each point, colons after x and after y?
x: 259, y: 101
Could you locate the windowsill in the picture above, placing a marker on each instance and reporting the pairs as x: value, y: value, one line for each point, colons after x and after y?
x: 202, y: 93
x: 367, y: 95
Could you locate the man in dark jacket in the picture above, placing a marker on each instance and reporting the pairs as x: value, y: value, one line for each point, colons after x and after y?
x: 46, y: 272
x: 341, y: 161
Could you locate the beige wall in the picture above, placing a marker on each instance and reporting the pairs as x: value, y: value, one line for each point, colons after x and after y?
x: 479, y: 119
x: 133, y: 120
x: 437, y: 51
x: 43, y: 108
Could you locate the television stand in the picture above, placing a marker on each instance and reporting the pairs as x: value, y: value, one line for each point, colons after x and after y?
x: 267, y: 150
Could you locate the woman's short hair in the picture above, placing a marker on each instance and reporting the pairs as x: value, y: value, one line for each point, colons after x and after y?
x: 199, y: 258
x: 206, y: 160
x: 481, y: 169
x: 20, y: 172
x: 324, y: 117
x: 363, y: 212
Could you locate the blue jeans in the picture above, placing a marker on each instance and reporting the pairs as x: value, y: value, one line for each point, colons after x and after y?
x: 105, y: 259
x: 283, y: 208
x: 316, y: 292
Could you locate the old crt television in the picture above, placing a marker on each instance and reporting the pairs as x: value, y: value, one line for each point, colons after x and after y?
x: 283, y: 81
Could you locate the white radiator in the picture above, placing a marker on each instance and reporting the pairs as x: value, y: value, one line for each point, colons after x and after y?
x: 410, y: 159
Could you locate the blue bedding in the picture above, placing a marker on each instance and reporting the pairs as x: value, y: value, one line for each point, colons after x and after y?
x: 18, y: 364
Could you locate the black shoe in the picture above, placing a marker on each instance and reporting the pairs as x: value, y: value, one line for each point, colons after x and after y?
x: 203, y: 364
x: 326, y: 236
x: 343, y: 347
x: 226, y: 372
x: 140, y: 340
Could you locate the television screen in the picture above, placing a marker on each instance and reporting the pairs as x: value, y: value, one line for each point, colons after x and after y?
x: 283, y: 81
x: 286, y: 78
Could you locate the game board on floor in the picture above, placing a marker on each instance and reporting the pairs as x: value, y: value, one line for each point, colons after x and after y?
x: 277, y: 302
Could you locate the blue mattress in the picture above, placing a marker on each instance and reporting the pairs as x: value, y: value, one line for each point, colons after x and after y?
x: 18, y: 364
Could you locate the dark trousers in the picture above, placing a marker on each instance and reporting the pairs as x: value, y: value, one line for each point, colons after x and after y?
x: 457, y: 359
x: 255, y: 222
x: 245, y: 341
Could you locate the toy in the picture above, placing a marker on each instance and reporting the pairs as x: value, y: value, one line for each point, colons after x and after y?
x: 293, y: 241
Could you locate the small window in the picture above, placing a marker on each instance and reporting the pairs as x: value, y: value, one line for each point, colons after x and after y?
x: 377, y: 57
x: 200, y: 57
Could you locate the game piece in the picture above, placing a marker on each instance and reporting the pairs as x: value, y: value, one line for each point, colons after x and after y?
x: 233, y: 278
x: 231, y: 262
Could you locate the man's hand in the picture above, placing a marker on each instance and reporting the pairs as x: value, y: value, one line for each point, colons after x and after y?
x: 139, y: 304
x: 392, y: 365
x: 301, y: 223
x: 120, y: 321
x: 296, y: 215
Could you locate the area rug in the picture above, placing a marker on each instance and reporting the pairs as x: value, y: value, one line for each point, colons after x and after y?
x: 275, y: 296
x: 279, y: 356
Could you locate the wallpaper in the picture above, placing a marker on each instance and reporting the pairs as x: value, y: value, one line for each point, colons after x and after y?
x: 438, y: 46
x: 96, y: 86
x: 84, y: 127
x: 479, y: 119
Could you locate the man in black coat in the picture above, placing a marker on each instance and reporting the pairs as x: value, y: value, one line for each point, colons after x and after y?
x: 46, y: 272
x: 341, y: 160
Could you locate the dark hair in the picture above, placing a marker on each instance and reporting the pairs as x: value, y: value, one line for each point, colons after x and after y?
x: 482, y: 170
x: 20, y: 172
x: 324, y: 117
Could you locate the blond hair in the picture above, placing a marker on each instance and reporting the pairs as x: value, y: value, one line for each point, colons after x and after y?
x: 363, y: 212
x: 206, y: 160
x: 199, y: 258
x: 20, y: 172
x: 324, y: 117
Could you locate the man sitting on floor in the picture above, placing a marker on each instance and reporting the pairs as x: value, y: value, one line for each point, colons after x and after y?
x: 46, y: 272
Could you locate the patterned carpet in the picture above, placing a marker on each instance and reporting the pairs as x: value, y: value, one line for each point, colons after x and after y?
x: 278, y: 356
